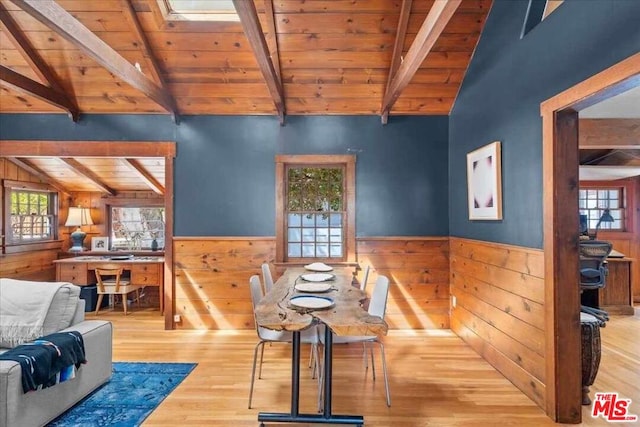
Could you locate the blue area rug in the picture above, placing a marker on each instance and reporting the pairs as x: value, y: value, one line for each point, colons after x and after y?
x: 134, y: 391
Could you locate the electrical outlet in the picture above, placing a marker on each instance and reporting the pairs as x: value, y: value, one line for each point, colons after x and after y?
x: 453, y: 301
x: 177, y: 318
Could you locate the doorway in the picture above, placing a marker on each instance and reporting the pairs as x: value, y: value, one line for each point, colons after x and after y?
x: 560, y: 200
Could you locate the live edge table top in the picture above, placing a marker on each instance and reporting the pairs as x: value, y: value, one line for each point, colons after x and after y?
x: 346, y: 317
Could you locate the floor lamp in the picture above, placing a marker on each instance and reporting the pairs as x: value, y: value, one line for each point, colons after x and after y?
x: 78, y: 217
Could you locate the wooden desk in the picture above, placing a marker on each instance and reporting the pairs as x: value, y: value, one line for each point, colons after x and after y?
x: 145, y: 270
x: 617, y: 296
x: 347, y: 317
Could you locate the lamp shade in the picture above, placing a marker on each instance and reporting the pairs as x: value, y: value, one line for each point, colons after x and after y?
x: 606, y: 216
x: 78, y: 217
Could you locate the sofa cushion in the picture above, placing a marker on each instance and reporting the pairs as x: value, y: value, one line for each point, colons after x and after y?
x: 29, y: 310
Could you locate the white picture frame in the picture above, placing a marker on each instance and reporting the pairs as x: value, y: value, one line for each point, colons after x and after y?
x: 484, y: 182
x: 99, y: 244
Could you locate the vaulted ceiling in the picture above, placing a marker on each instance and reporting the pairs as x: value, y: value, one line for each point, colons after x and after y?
x: 327, y: 57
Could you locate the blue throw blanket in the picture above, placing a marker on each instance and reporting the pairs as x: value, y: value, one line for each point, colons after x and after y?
x: 43, y: 360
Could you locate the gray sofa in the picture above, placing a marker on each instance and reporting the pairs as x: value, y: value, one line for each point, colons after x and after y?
x: 65, y: 313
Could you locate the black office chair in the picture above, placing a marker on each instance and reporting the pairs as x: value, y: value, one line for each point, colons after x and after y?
x: 593, y: 272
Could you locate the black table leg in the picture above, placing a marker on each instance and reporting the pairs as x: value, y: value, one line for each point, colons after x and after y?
x: 294, y: 416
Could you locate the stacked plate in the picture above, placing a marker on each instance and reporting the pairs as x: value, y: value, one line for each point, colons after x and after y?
x: 318, y: 266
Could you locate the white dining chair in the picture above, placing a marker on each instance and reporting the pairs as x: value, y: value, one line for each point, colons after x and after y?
x: 308, y: 336
x: 377, y: 307
x: 266, y: 277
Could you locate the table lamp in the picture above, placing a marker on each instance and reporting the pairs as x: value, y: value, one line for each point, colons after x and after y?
x: 605, y: 217
x: 78, y: 217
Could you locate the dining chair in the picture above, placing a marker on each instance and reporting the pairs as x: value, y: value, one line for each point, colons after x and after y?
x: 110, y: 282
x: 308, y: 336
x: 266, y: 276
x: 377, y: 307
x: 365, y: 277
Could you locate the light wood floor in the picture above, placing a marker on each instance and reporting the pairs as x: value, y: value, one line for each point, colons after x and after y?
x: 435, y: 378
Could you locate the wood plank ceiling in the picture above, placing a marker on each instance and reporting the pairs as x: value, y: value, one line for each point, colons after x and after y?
x: 331, y: 56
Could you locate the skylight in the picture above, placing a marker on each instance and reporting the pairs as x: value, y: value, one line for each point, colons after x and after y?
x: 199, y: 10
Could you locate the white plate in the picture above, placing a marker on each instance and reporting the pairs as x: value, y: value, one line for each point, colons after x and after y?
x: 312, y: 302
x: 313, y: 287
x: 318, y: 266
x: 317, y: 277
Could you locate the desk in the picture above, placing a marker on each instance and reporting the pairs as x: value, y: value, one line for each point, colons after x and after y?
x: 145, y: 270
x: 347, y: 317
x: 617, y: 296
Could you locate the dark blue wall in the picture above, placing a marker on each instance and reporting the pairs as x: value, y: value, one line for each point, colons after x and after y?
x: 225, y: 171
x: 500, y: 100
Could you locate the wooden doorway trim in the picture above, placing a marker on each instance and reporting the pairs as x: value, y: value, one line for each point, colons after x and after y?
x: 165, y: 149
x: 560, y: 199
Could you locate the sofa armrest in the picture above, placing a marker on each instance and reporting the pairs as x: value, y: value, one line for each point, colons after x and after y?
x: 78, y: 316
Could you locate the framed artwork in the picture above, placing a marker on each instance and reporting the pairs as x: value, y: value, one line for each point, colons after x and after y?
x: 484, y: 182
x: 99, y: 244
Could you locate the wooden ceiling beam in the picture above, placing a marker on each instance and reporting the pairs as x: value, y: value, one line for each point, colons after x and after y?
x: 272, y: 43
x: 35, y: 61
x: 609, y: 133
x: 145, y: 47
x: 37, y: 172
x: 396, y: 58
x: 433, y: 25
x: 252, y: 29
x: 53, y: 16
x: 144, y: 174
x: 81, y: 169
x: 33, y: 88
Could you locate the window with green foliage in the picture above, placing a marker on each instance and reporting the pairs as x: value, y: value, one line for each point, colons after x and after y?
x: 315, y: 208
x: 136, y: 228
x: 315, y: 212
x: 32, y: 215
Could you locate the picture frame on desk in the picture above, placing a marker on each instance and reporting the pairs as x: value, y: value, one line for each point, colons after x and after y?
x: 100, y: 244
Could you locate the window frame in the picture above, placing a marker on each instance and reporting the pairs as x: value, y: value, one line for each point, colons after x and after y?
x: 133, y: 203
x: 348, y: 163
x: 8, y: 245
x: 629, y: 189
x: 622, y: 207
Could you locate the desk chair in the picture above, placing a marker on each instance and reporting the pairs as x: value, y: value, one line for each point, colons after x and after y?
x: 377, y: 307
x: 593, y: 272
x: 308, y: 336
x: 110, y: 282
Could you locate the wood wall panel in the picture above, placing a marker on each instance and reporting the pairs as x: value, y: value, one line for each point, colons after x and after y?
x: 499, y: 309
x: 418, y: 271
x: 212, y: 276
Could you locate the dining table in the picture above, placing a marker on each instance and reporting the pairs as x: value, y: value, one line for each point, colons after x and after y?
x: 340, y: 309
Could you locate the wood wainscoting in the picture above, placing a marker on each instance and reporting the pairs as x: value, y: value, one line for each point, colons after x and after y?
x: 418, y: 270
x: 499, y: 309
x: 212, y: 279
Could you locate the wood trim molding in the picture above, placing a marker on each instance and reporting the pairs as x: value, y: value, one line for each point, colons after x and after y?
x: 560, y: 147
x: 229, y: 238
x: 114, y: 149
x: 169, y: 250
x: 403, y: 238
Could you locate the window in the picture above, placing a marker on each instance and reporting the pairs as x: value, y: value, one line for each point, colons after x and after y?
x: 315, y: 208
x: 135, y: 228
x: 33, y: 213
x: 199, y: 10
x: 593, y: 202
